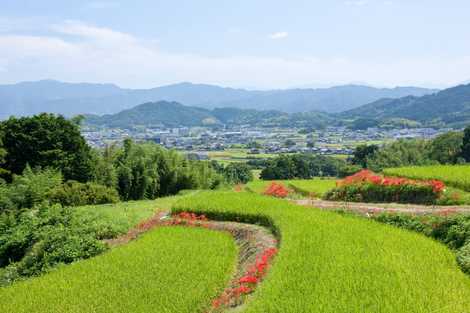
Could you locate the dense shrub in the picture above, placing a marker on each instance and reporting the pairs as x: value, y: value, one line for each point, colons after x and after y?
x: 463, y: 258
x: 302, y: 166
x: 29, y: 189
x: 236, y: 173
x: 348, y: 170
x: 74, y: 193
x: 366, y: 186
x: 33, y: 241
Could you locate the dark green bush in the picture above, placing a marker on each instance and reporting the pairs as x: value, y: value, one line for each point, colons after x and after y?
x: 463, y: 258
x: 33, y: 241
x: 73, y: 193
x: 367, y: 192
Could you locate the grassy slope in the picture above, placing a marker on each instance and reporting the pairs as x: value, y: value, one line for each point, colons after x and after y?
x: 125, y: 215
x: 167, y: 270
x: 333, y: 263
x: 316, y: 186
x: 453, y: 175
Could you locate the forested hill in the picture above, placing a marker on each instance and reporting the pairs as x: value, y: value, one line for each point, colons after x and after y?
x: 450, y: 107
x: 70, y: 99
x: 174, y: 114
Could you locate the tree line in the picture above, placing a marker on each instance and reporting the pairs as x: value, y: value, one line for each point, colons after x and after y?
x: 449, y: 148
x: 46, y: 157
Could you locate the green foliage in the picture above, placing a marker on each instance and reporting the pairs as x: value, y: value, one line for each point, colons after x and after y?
x: 338, y: 263
x: 401, y: 153
x: 466, y: 144
x: 363, y: 153
x: 74, y: 193
x: 363, y: 123
x: 303, y: 166
x: 30, y: 189
x: 348, y: 170
x: 105, y: 171
x: 32, y: 242
x: 447, y: 148
x: 418, y: 194
x: 46, y: 140
x: 237, y: 173
x: 447, y: 107
x: 148, y: 171
x: 463, y: 258
x: 170, y: 269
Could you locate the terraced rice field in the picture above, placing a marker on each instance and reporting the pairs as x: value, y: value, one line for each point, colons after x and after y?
x: 314, y: 187
x: 333, y: 263
x: 326, y: 263
x: 457, y: 176
x: 173, y: 269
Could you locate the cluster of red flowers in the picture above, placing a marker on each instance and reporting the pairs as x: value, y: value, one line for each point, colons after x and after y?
x: 187, y: 219
x: 247, y: 283
x: 366, y: 176
x: 277, y: 190
x: 148, y: 224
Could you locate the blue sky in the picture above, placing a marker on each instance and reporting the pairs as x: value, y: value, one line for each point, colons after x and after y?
x: 243, y: 43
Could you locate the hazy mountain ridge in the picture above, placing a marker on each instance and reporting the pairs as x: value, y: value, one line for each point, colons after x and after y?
x: 70, y: 99
x: 174, y: 114
x: 450, y: 107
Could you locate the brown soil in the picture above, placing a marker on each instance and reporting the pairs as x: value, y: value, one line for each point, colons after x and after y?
x: 368, y: 208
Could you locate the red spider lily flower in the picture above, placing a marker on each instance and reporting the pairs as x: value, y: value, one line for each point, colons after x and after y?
x: 241, y: 290
x: 277, y: 190
x: 248, y: 280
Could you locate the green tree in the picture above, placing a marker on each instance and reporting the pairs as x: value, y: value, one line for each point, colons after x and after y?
x: 401, y: 153
x: 3, y: 154
x: 303, y: 166
x: 238, y: 173
x: 46, y: 140
x: 447, y: 148
x: 363, y: 153
x: 148, y: 171
x: 466, y: 144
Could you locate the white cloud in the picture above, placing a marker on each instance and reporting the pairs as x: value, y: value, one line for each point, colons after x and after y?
x: 279, y: 35
x: 77, y: 52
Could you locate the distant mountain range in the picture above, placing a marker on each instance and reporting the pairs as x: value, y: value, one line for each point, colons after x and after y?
x: 174, y: 114
x: 450, y: 107
x: 69, y: 99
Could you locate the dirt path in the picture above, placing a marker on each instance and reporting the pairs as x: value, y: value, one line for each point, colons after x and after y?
x: 366, y: 208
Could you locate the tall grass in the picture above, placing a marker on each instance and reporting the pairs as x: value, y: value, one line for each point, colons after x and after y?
x: 167, y: 270
x: 457, y: 176
x: 333, y: 263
